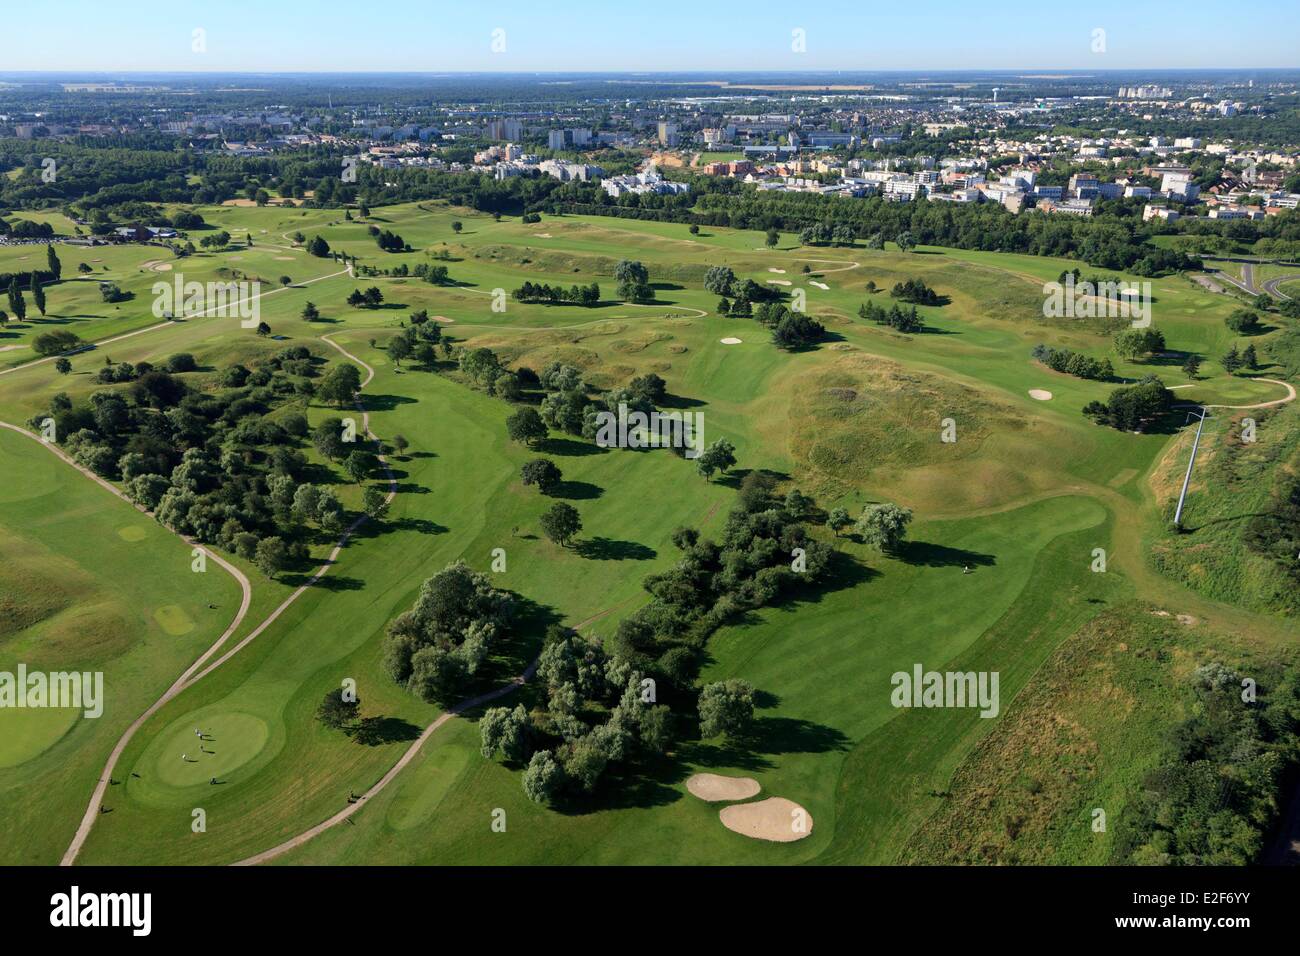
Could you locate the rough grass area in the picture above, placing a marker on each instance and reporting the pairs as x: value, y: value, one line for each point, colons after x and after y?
x: 1078, y: 739
x: 1285, y: 351
x: 1232, y: 483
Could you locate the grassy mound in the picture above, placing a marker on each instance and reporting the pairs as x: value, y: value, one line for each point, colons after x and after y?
x: 864, y: 419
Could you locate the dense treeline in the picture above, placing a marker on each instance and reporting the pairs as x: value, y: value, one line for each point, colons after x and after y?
x: 1214, y: 797
x: 1132, y: 408
x: 588, y: 295
x: 1074, y: 363
x: 916, y: 292
x: 900, y: 320
x: 604, y: 704
x: 790, y: 330
x: 223, y: 465
x: 443, y: 640
x: 121, y: 183
x: 92, y: 176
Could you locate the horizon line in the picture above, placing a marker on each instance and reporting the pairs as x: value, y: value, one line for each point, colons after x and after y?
x: 634, y: 72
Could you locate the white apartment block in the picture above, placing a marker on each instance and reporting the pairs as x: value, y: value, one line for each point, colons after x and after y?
x: 640, y: 183
x: 1150, y: 212
x: 900, y: 190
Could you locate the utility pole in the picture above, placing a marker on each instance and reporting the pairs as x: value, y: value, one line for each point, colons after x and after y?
x: 1187, y: 479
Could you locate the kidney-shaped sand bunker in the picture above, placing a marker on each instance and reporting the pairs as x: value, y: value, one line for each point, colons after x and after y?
x: 776, y: 819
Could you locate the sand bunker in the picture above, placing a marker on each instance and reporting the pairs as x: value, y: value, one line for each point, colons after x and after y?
x: 776, y: 819
x: 285, y: 258
x: 778, y: 281
x: 714, y: 787
x: 442, y: 318
x: 541, y: 235
x: 820, y: 285
x: 1041, y: 394
x: 730, y: 340
x: 775, y: 269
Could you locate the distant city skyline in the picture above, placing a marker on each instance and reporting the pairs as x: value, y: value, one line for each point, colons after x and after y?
x: 597, y: 36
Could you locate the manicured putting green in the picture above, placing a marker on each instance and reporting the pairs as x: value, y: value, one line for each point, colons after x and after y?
x: 132, y: 532
x: 1232, y: 391
x: 28, y: 732
x: 231, y: 739
x: 421, y: 794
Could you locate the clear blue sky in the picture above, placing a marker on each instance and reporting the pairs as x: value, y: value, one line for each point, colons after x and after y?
x: 579, y: 35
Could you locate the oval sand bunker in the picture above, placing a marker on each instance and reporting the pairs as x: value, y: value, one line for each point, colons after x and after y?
x: 776, y: 819
x: 730, y: 340
x: 1042, y: 394
x: 713, y: 787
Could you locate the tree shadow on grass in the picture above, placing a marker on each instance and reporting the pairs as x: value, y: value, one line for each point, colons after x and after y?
x: 520, y: 646
x: 643, y: 784
x: 1168, y: 359
x: 317, y: 474
x: 340, y: 582
x: 793, y: 735
x: 567, y: 446
x: 603, y: 549
x: 766, y: 700
x: 58, y: 320
x: 411, y: 488
x: 576, y: 490
x: 1227, y: 519
x: 421, y: 525
x: 766, y: 737
x: 1169, y: 423
x: 680, y: 401
x: 735, y: 476
x: 932, y: 555
x: 385, y: 403
x: 377, y: 731
x: 843, y: 571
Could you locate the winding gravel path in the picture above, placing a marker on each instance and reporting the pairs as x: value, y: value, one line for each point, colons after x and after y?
x: 88, y: 346
x: 1290, y: 396
x: 92, y: 809
x: 197, y: 671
